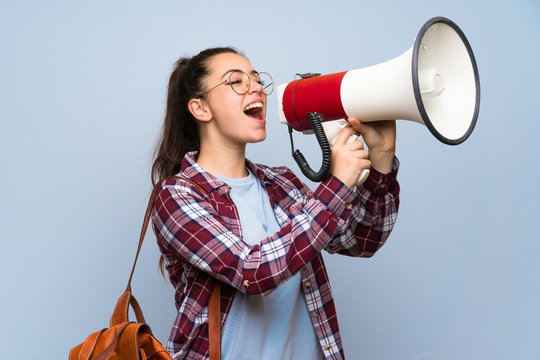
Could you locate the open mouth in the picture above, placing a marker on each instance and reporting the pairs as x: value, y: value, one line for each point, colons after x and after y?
x: 255, y: 110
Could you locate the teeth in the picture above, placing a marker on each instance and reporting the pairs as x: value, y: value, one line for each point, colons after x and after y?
x: 254, y: 106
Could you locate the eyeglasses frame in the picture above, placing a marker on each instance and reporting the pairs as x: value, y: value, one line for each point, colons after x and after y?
x: 228, y: 82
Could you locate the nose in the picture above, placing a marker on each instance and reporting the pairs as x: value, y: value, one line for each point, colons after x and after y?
x: 255, y: 86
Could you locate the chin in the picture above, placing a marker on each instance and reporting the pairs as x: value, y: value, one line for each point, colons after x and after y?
x: 258, y: 138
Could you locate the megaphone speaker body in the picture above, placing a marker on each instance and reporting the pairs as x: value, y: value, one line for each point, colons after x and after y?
x: 434, y: 83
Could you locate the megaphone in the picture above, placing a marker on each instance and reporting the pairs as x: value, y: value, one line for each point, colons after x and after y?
x: 434, y: 83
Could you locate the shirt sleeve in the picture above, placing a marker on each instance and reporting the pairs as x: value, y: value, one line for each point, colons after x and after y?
x: 372, y: 220
x: 188, y: 226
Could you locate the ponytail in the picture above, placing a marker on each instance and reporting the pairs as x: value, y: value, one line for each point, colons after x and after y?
x: 180, y: 133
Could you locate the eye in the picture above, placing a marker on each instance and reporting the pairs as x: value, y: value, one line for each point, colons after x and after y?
x: 258, y: 79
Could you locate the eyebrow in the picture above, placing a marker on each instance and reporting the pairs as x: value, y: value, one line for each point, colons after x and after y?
x: 231, y: 70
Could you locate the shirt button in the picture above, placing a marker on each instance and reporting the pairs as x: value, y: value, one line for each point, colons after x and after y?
x: 327, y: 347
x: 315, y: 313
x: 246, y: 283
x: 307, y: 284
x: 382, y: 186
x: 348, y: 206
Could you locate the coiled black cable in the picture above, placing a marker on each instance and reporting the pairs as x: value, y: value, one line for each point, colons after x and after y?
x: 315, y: 120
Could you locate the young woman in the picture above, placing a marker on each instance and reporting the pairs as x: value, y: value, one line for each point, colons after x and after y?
x: 258, y: 230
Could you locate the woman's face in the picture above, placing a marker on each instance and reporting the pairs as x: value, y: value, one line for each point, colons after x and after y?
x: 238, y: 119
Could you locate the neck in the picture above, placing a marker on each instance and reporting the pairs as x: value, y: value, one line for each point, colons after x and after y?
x: 222, y: 160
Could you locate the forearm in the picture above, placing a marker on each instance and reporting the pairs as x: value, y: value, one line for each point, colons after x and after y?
x: 189, y: 228
x: 373, y: 219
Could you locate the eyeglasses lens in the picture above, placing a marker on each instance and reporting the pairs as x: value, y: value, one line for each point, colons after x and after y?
x: 240, y: 82
x: 267, y: 82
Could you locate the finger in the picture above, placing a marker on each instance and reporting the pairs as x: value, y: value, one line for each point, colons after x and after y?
x: 362, y: 164
x: 361, y: 128
x: 355, y: 144
x: 355, y: 123
x: 361, y: 154
x: 344, y: 135
x: 365, y: 164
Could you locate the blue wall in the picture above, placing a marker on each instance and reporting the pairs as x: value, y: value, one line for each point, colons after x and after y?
x: 82, y: 94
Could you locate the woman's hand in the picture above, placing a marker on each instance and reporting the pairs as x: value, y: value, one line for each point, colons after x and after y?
x: 380, y: 138
x: 348, y: 158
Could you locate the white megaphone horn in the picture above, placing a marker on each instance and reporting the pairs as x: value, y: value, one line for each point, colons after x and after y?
x: 434, y: 83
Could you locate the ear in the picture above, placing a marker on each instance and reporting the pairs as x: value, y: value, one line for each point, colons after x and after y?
x: 200, y: 110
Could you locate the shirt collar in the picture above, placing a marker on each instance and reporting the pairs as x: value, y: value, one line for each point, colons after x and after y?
x: 191, y: 170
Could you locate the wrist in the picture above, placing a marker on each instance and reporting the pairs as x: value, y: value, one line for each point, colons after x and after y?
x: 382, y: 161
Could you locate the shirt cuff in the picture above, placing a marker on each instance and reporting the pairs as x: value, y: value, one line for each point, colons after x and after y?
x: 379, y: 183
x: 337, y: 196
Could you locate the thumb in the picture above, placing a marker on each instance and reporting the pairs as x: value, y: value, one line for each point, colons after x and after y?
x: 361, y: 128
x: 344, y: 135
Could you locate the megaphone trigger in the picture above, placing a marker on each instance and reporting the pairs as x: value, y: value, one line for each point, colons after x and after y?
x: 332, y: 130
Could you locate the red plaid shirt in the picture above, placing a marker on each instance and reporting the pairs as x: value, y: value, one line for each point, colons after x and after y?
x: 199, y: 235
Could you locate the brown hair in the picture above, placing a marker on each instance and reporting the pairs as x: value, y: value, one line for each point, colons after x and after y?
x: 180, y: 133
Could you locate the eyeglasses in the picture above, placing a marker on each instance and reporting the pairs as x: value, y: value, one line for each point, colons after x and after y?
x: 240, y: 82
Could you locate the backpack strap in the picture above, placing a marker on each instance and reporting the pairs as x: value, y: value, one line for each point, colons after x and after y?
x: 120, y: 313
